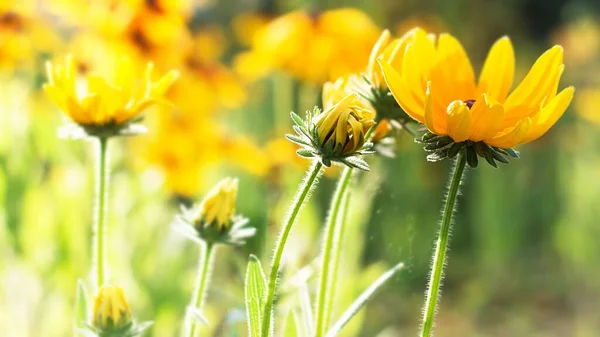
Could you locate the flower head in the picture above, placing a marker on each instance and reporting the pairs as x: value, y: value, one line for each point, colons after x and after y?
x: 214, y: 219
x: 111, y: 310
x: 112, y: 315
x: 339, y: 133
x: 435, y: 84
x: 314, y: 47
x: 102, y: 108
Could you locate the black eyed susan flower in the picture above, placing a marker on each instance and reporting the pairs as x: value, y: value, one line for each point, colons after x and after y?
x: 101, y: 108
x: 337, y: 134
x: 214, y: 219
x: 112, y: 315
x: 435, y: 84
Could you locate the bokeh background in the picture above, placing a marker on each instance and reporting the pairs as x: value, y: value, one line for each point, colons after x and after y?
x: 524, y: 257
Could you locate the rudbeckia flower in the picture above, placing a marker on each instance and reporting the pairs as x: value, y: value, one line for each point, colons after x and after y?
x: 100, y: 107
x: 435, y: 84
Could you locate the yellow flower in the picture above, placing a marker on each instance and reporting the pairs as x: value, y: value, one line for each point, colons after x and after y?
x: 435, y: 84
x: 101, y: 103
x: 345, y: 125
x: 218, y: 207
x: 313, y: 48
x: 587, y: 104
x: 111, y: 311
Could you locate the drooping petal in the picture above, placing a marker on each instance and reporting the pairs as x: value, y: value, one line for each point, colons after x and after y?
x: 511, y: 137
x: 402, y: 93
x: 549, y: 115
x: 527, y: 97
x: 459, y: 121
x: 498, y: 70
x: 487, y: 116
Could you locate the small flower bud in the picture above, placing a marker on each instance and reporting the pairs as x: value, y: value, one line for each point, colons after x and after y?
x: 214, y: 219
x: 218, y: 207
x: 111, y: 311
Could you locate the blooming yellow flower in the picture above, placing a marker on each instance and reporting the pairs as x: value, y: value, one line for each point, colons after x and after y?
x: 218, y: 207
x: 101, y: 103
x: 111, y: 310
x: 435, y: 85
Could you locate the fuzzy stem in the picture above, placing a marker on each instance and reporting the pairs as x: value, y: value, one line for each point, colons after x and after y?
x: 439, y: 257
x: 202, y: 279
x: 335, y: 258
x: 304, y: 191
x: 99, y: 269
x: 322, y: 309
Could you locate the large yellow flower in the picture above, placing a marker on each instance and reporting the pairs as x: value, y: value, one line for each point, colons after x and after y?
x: 435, y: 84
x: 101, y: 103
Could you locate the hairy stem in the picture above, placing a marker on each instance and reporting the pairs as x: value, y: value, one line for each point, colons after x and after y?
x: 202, y: 279
x: 322, y: 308
x: 301, y: 197
x: 439, y: 256
x: 99, y: 269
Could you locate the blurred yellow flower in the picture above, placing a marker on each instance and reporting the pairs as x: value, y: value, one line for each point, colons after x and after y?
x: 587, y: 105
x: 218, y: 206
x: 581, y: 39
x: 101, y: 103
x: 313, y: 48
x: 436, y: 86
x: 111, y: 310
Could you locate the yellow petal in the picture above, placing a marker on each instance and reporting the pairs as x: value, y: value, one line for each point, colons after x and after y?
x: 527, y: 97
x: 455, y: 68
x: 549, y: 115
x: 373, y: 70
x: 459, y: 121
x: 498, y: 70
x: 402, y: 92
x: 487, y: 116
x: 429, y: 118
x: 513, y: 136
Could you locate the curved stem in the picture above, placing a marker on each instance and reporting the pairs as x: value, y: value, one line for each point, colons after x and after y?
x: 303, y: 193
x: 439, y: 257
x: 335, y: 258
x: 200, y: 289
x: 322, y: 309
x: 99, y: 269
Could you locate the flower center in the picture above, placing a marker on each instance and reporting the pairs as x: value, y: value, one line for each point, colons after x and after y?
x: 470, y: 103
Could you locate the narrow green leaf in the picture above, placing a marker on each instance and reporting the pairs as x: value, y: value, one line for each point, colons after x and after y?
x: 81, y: 309
x: 292, y: 327
x: 305, y: 153
x: 254, y: 288
x: 362, y: 300
x: 297, y: 140
x: 297, y: 120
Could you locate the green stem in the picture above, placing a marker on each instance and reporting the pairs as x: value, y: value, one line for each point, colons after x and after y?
x: 99, y: 269
x: 199, y: 293
x: 335, y: 259
x: 439, y: 257
x: 330, y: 238
x: 303, y: 193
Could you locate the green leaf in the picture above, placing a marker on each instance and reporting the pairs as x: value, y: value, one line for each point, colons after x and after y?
x: 292, y: 326
x: 297, y: 140
x: 297, y: 120
x: 362, y: 300
x: 305, y: 153
x: 81, y: 309
x: 254, y: 288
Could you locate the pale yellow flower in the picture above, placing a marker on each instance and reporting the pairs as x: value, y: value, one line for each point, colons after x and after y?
x: 218, y: 207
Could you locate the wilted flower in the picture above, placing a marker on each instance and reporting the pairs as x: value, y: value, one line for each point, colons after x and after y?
x: 337, y: 134
x: 102, y: 108
x: 112, y: 315
x: 435, y: 85
x: 214, y: 220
